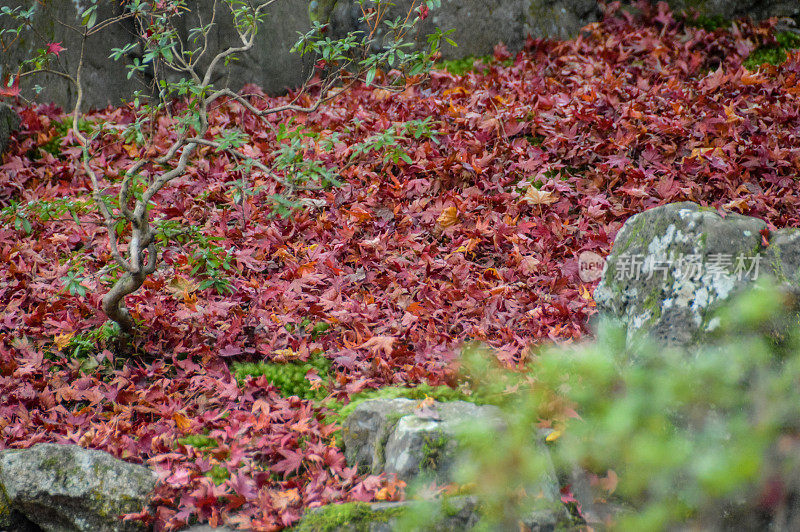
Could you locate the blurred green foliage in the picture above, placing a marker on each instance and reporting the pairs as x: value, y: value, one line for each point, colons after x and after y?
x: 692, y: 435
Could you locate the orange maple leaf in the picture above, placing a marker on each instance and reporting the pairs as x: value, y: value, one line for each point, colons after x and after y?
x: 448, y: 217
x: 183, y: 422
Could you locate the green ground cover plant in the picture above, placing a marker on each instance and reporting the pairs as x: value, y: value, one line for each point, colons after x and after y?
x: 776, y: 53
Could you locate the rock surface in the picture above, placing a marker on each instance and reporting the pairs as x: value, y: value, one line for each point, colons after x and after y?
x: 783, y: 256
x: 425, y: 443
x: 670, y: 264
x: 479, y: 25
x: 368, y: 427
x: 755, y: 9
x: 13, y: 521
x: 69, y: 488
x: 671, y: 267
x: 269, y: 64
x: 396, y: 437
x: 415, y: 440
x: 9, y: 123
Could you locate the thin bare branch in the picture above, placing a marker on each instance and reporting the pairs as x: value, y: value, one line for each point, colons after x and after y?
x: 49, y: 71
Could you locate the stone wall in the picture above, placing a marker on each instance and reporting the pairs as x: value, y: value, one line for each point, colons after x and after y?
x: 269, y: 64
x: 104, y: 79
x: 756, y: 9
x: 479, y: 25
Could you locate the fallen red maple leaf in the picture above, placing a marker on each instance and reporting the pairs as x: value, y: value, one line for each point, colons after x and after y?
x: 378, y: 344
x: 291, y: 462
x: 10, y: 89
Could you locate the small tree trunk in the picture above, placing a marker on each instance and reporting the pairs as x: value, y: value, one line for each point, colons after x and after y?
x: 114, y: 301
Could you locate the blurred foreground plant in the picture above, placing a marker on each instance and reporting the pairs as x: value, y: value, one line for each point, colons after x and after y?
x: 708, y: 438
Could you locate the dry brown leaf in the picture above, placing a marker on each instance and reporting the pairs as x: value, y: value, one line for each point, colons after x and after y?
x: 131, y: 150
x: 180, y: 287
x: 383, y: 494
x: 529, y: 264
x: 380, y: 343
x: 739, y: 204
x: 287, y: 353
x: 334, y: 92
x: 609, y: 482
x: 415, y: 309
x: 284, y: 499
x: 381, y: 94
x: 708, y: 152
x: 539, y: 197
x: 426, y: 403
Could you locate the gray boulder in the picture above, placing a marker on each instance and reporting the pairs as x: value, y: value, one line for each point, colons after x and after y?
x: 12, y: 520
x: 479, y: 25
x: 755, y: 9
x: 672, y: 266
x: 368, y: 427
x: 427, y: 443
x: 68, y: 488
x: 106, y: 80
x: 9, y: 123
x: 782, y: 257
x: 396, y: 437
x: 415, y: 441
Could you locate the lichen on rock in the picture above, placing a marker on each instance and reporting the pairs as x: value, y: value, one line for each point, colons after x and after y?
x: 672, y: 266
x: 67, y: 487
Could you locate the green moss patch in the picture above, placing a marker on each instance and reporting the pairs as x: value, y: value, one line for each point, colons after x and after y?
x: 352, y: 516
x: 53, y: 146
x: 218, y: 474
x: 775, y: 54
x: 432, y: 452
x: 708, y: 22
x: 459, y: 67
x: 290, y: 377
x: 198, y: 441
